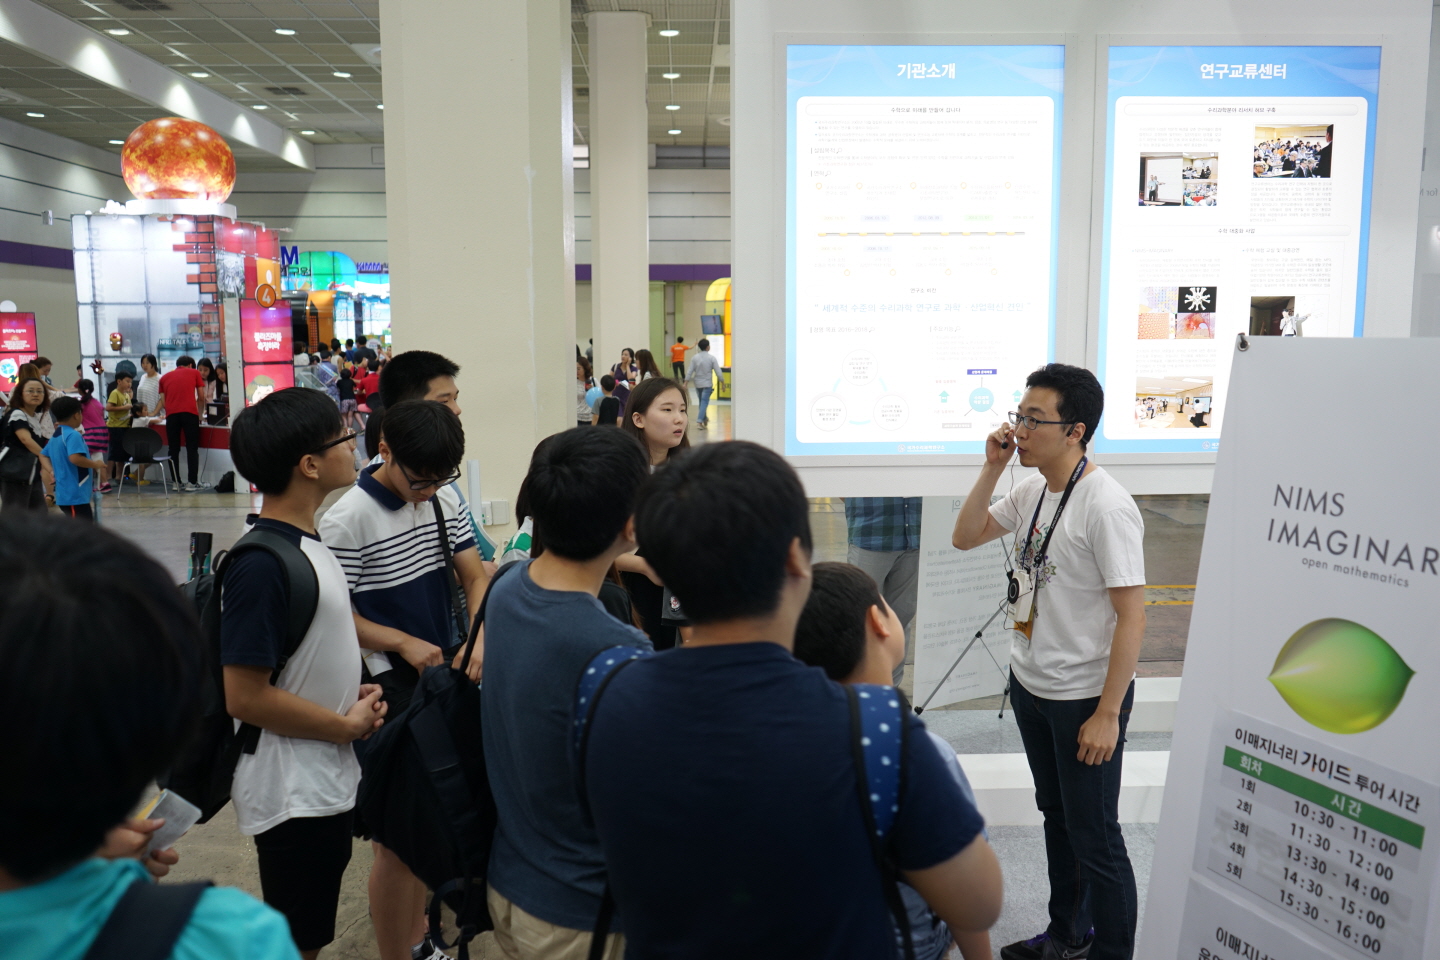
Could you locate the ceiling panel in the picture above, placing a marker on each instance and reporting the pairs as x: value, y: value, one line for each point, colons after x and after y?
x: 235, y: 42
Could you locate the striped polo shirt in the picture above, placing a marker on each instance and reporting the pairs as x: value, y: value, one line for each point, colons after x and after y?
x: 390, y: 551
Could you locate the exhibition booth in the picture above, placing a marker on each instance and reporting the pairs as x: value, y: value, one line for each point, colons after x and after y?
x: 177, y: 273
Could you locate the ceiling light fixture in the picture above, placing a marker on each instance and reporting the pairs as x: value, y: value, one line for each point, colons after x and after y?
x: 342, y: 74
x: 307, y: 133
x: 32, y: 113
x: 258, y: 106
x: 674, y: 133
x: 379, y: 106
x: 118, y: 142
x: 672, y: 106
x: 285, y: 31
x: 118, y: 32
x: 199, y: 74
x: 669, y: 33
x: 671, y: 76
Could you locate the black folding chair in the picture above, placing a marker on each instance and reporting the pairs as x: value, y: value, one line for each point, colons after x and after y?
x: 142, y: 445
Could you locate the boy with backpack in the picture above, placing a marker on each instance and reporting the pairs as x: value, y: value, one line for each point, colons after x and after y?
x: 543, y: 624
x: 296, y: 791
x: 853, y: 635
x: 402, y: 535
x: 70, y: 461
x: 791, y: 844
x: 72, y: 878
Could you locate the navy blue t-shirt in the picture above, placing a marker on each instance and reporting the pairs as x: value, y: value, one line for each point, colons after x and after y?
x: 546, y: 859
x: 255, y: 617
x: 723, y: 788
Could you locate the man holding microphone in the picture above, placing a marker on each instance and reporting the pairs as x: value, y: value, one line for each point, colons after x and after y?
x: 1077, y: 591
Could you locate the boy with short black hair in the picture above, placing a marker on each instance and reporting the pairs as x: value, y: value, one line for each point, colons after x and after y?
x: 56, y: 891
x: 420, y: 375
x: 296, y: 793
x: 119, y: 410
x: 851, y: 633
x: 542, y: 625
x: 756, y: 749
x: 606, y: 409
x: 403, y: 592
x: 183, y: 392
x: 70, y: 461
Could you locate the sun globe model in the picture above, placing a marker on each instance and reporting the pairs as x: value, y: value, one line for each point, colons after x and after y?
x: 177, y: 159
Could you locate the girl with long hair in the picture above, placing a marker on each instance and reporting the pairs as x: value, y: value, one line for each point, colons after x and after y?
x: 645, y: 360
x: 657, y: 418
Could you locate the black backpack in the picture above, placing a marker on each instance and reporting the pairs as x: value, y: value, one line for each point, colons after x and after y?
x: 205, y: 769
x: 147, y: 921
x: 426, y: 796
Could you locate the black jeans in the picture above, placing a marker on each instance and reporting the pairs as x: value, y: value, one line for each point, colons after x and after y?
x: 190, y: 424
x: 1091, y: 881
x: 677, y: 367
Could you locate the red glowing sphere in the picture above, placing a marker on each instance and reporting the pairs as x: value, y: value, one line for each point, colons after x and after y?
x: 177, y: 159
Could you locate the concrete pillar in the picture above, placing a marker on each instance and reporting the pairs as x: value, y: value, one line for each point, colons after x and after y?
x: 619, y: 184
x: 480, y: 204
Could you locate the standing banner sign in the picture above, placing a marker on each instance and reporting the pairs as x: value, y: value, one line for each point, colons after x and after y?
x: 1301, y: 799
x: 958, y: 592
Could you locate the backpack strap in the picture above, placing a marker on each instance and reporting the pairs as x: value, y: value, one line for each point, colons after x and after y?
x: 457, y: 608
x: 302, y: 593
x: 147, y: 921
x: 878, y: 741
x: 594, y: 679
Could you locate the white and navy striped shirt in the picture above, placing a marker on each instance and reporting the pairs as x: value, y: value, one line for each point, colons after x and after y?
x: 390, y: 551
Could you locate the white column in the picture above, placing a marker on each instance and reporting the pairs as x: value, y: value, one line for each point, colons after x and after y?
x: 478, y: 135
x: 619, y: 184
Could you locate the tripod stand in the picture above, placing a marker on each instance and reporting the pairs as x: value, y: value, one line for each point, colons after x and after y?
x: 998, y: 610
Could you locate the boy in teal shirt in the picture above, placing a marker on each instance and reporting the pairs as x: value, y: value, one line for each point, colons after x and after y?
x: 70, y: 460
x: 116, y: 722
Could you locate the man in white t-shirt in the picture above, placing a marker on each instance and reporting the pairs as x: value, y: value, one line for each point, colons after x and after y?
x: 1072, y: 663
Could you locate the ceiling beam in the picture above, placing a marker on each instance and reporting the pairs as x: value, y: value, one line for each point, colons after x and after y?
x: 55, y: 37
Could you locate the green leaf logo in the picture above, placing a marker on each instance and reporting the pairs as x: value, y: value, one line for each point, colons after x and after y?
x: 1340, y: 676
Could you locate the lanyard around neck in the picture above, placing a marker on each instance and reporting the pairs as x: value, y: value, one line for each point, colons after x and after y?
x: 1038, y: 561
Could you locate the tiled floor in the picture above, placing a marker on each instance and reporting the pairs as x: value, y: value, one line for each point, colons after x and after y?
x: 1174, y: 529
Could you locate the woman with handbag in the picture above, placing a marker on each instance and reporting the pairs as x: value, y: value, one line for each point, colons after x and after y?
x: 22, y: 477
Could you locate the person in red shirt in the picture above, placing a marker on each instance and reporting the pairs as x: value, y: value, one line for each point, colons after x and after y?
x: 184, y: 391
x: 370, y: 384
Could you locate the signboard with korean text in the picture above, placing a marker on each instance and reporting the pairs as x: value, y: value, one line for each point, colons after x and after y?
x: 17, y: 346
x: 1301, y: 807
x: 957, y: 593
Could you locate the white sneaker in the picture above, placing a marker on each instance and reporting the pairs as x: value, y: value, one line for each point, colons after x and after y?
x: 188, y: 488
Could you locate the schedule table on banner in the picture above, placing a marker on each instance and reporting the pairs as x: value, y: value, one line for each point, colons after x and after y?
x: 1331, y: 837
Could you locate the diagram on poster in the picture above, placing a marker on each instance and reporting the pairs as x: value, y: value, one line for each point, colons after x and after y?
x: 1242, y: 171
x: 920, y: 242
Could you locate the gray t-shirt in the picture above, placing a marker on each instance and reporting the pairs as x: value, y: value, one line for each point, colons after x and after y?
x: 546, y: 858
x: 702, y: 365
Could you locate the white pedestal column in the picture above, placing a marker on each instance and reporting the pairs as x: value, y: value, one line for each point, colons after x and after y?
x: 619, y: 185
x: 478, y: 135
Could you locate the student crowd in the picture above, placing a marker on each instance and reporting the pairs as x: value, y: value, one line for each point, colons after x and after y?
x: 759, y: 791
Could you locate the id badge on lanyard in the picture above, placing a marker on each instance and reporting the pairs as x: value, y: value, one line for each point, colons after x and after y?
x: 1024, y: 581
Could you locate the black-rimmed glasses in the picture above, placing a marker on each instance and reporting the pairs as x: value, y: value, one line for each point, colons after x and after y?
x: 1030, y: 423
x: 418, y: 485
x: 346, y: 438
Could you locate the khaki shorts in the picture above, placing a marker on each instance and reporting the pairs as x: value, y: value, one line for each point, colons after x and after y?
x: 524, y: 936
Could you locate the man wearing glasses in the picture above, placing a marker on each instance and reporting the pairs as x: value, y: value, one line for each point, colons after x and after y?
x: 403, y: 536
x: 1078, y: 569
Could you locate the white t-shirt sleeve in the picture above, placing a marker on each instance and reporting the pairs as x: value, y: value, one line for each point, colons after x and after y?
x: 336, y: 534
x: 1118, y: 539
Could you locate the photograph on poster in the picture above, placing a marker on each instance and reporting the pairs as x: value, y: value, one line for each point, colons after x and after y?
x: 1200, y: 166
x: 1299, y: 152
x: 1160, y: 179
x: 1174, y: 403
x: 1177, y: 313
x: 1199, y: 193
x: 1276, y: 317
